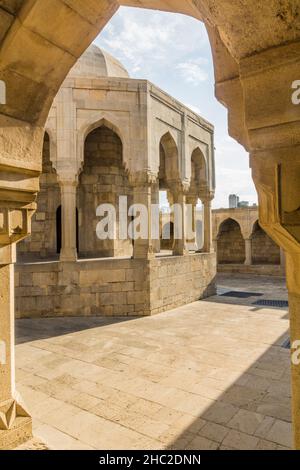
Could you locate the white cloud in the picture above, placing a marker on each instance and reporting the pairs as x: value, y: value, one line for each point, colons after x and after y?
x: 173, y: 52
x: 193, y: 71
x: 145, y: 41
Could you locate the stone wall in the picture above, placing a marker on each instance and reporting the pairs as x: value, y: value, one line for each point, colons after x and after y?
x: 264, y: 250
x: 254, y: 269
x: 176, y: 281
x: 115, y: 287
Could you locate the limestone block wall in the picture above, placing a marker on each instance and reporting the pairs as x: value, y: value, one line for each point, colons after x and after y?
x: 177, y: 281
x: 264, y: 250
x: 116, y: 287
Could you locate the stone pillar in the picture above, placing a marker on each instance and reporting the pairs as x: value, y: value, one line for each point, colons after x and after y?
x: 155, y: 201
x: 293, y: 283
x: 68, y: 205
x: 248, y: 250
x: 191, y: 202
x: 215, y: 245
x: 277, y: 178
x: 19, y: 186
x: 142, y: 196
x: 179, y: 207
x: 207, y: 217
x: 14, y: 420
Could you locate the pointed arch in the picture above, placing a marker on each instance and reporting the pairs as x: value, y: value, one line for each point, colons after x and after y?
x: 230, y: 243
x: 169, y: 169
x: 199, y: 171
x: 108, y: 121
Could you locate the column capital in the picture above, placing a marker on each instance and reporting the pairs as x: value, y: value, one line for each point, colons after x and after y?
x: 207, y: 197
x: 179, y: 187
x: 142, y: 178
x: 67, y: 183
x: 15, y: 223
x: 276, y: 174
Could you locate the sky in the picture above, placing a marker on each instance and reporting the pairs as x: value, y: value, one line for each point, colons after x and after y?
x: 173, y: 52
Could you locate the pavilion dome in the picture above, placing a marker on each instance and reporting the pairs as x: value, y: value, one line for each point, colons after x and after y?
x: 97, y: 63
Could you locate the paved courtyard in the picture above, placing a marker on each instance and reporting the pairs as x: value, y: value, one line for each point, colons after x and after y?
x: 209, y: 375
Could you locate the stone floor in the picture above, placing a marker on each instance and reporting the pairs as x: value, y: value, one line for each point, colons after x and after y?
x: 209, y: 375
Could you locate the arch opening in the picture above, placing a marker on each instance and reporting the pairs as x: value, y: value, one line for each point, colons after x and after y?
x: 102, y: 180
x: 230, y: 243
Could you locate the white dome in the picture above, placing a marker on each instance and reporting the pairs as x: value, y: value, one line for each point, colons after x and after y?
x: 96, y: 63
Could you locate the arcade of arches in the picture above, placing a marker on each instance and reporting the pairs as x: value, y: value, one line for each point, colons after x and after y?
x: 250, y: 44
x: 243, y: 246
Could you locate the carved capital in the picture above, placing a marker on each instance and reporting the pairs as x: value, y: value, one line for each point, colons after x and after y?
x: 142, y: 178
x: 179, y: 187
x: 15, y: 224
x: 276, y: 175
x: 207, y: 196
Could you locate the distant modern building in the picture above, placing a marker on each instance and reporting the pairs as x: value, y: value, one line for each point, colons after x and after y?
x: 243, y: 204
x: 233, y: 201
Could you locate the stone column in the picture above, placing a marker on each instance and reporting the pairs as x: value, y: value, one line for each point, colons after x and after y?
x: 13, y: 417
x: 68, y: 205
x: 142, y: 196
x: 179, y: 207
x: 277, y: 180
x: 191, y: 202
x: 293, y: 283
x: 215, y: 245
x: 19, y: 186
x: 155, y: 201
x: 207, y: 217
x: 248, y: 250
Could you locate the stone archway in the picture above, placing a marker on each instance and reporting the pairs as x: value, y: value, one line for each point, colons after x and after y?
x: 230, y: 243
x: 169, y: 161
x: 250, y: 45
x: 167, y: 236
x: 102, y: 180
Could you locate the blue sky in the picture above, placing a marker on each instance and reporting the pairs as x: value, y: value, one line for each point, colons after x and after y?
x: 173, y: 52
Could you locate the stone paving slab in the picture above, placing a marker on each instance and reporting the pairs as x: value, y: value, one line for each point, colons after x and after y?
x: 209, y: 375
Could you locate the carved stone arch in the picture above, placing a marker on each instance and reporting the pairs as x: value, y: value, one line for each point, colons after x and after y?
x: 199, y: 172
x: 109, y: 121
x: 230, y: 242
x: 169, y: 168
x: 224, y: 219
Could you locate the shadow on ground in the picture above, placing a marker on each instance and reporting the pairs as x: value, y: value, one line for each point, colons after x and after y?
x: 210, y: 375
x: 28, y: 330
